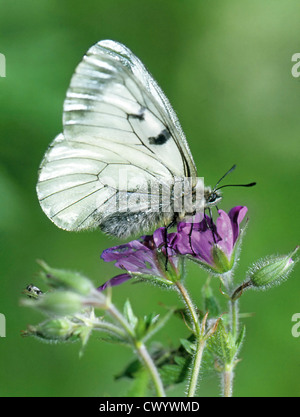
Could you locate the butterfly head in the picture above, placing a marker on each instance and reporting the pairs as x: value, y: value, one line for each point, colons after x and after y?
x: 211, y: 197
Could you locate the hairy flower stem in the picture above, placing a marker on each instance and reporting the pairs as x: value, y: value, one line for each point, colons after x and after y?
x: 227, y: 374
x: 200, y: 341
x: 110, y: 328
x: 150, y: 366
x: 140, y: 348
x: 233, y: 304
x: 227, y: 381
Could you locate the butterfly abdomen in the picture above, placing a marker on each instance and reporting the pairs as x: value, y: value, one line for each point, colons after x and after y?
x: 123, y: 225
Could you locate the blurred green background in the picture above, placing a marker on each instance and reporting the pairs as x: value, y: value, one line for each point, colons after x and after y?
x: 226, y: 68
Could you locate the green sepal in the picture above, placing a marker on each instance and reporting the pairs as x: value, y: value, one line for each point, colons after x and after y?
x: 65, y: 280
x: 221, y: 261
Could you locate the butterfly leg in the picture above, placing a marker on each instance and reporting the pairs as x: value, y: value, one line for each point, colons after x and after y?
x: 169, y: 226
x: 210, y: 226
x: 190, y: 238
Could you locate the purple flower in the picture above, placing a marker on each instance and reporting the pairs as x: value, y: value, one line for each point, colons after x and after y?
x: 145, y: 258
x: 211, y: 244
x: 158, y: 257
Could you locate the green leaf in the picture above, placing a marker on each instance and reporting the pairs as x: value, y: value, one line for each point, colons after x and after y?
x: 222, y: 344
x: 147, y: 326
x: 140, y: 376
x: 176, y: 372
x: 130, y: 370
x: 173, y: 364
x: 155, y: 323
x: 240, y: 338
x: 210, y: 302
x: 189, y: 346
x: 129, y: 315
x: 140, y: 384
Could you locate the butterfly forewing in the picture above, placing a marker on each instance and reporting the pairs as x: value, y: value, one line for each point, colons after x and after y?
x: 121, y: 144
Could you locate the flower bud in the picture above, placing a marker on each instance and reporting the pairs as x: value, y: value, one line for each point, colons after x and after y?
x: 63, y: 329
x: 59, y: 329
x: 59, y: 303
x: 67, y: 280
x: 271, y: 271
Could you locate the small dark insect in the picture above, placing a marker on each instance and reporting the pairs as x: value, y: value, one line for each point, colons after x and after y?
x: 32, y: 291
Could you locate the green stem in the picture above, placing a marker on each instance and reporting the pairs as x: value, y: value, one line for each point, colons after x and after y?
x: 228, y: 381
x: 234, y: 320
x: 200, y: 341
x: 193, y: 382
x: 109, y: 327
x: 190, y: 306
x: 121, y: 320
x: 234, y: 325
x: 149, y: 364
x: 228, y: 371
x: 141, y: 350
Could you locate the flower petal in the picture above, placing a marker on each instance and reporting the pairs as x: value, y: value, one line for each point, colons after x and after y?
x: 119, y: 279
x: 119, y: 252
x: 224, y: 228
x: 196, y: 239
x: 135, y: 256
x: 159, y: 237
x: 236, y: 216
x: 203, y: 239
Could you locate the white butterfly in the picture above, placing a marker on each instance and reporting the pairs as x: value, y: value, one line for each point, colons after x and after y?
x: 122, y: 161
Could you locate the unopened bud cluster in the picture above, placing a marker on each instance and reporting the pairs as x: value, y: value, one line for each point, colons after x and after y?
x: 68, y: 304
x: 61, y: 329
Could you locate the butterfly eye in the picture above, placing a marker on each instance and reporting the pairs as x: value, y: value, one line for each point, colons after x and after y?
x: 213, y: 197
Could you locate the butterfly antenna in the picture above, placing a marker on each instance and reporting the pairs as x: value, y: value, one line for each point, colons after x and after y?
x: 251, y: 184
x: 225, y: 175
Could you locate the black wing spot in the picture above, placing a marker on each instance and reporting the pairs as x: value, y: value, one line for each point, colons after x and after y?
x: 160, y: 139
x: 140, y: 116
